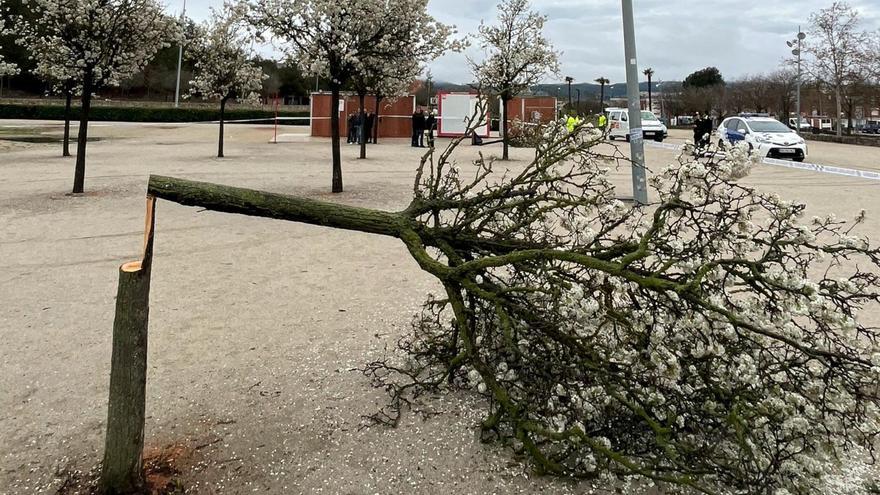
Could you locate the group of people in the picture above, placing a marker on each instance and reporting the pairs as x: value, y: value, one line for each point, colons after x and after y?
x: 422, y: 123
x: 702, y: 130
x: 361, y: 127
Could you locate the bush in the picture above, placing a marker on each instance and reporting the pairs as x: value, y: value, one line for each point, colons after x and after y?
x: 143, y: 114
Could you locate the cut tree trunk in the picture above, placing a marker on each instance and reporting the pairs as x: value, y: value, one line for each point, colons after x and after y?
x: 362, y: 134
x: 122, y: 469
x: 79, y: 175
x: 336, y: 185
x: 222, y: 115
x: 66, y: 145
x: 264, y: 204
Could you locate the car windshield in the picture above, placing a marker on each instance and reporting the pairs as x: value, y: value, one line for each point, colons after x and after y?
x: 648, y: 116
x: 768, y: 126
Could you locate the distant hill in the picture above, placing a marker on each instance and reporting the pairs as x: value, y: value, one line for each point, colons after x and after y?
x: 591, y: 89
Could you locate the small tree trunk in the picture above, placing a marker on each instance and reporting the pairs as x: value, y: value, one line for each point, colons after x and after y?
x: 336, y: 185
x: 66, y: 145
x: 122, y: 469
x: 362, y: 134
x: 505, y: 99
x: 839, y: 110
x: 222, y: 114
x: 79, y: 176
x: 376, y: 122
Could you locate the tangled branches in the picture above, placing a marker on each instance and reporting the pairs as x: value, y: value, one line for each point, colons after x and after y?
x: 708, y: 342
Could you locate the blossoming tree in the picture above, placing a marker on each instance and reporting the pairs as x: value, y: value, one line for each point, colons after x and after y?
x: 98, y: 43
x: 709, y: 342
x: 223, y: 61
x: 518, y: 55
x: 338, y: 40
x: 6, y: 68
x: 410, y: 37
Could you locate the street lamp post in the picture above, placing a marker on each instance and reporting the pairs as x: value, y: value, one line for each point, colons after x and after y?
x: 796, y: 44
x: 569, y: 80
x: 636, y: 141
x: 179, y: 59
x: 578, y: 106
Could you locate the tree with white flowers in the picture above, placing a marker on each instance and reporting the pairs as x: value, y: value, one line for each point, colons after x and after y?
x: 6, y: 68
x: 338, y: 40
x: 223, y: 61
x: 97, y: 43
x: 518, y: 55
x: 412, y: 39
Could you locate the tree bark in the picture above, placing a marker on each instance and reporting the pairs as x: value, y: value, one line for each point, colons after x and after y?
x: 122, y: 469
x: 264, y: 204
x: 505, y: 99
x: 222, y: 115
x: 376, y: 122
x: 79, y: 176
x: 66, y: 145
x: 362, y: 134
x: 839, y: 110
x: 336, y: 185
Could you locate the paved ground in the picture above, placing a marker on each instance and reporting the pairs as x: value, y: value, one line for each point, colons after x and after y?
x: 255, y: 323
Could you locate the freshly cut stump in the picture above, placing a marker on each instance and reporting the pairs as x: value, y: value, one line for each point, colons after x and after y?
x: 122, y: 469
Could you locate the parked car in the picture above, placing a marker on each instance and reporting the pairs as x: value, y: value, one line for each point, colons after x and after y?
x: 871, y: 128
x: 805, y: 123
x: 618, y: 125
x: 766, y: 136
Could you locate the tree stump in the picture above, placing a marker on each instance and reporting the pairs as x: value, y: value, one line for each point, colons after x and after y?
x: 122, y: 469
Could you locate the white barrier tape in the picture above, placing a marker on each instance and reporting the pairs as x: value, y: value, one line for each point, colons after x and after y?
x: 825, y: 169
x: 813, y: 167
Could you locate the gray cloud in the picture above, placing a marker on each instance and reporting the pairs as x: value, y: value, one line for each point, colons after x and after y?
x: 675, y: 37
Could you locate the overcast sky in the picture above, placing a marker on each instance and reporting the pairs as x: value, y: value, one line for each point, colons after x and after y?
x: 675, y: 37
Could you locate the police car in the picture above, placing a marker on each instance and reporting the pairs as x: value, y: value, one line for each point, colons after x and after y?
x: 766, y: 136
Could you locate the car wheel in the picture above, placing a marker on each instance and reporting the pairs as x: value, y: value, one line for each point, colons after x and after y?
x: 799, y: 158
x: 721, y: 144
x: 627, y: 138
x: 610, y: 137
x: 658, y: 139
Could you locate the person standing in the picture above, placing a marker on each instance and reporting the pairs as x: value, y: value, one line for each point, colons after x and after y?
x: 430, y: 125
x: 418, y: 129
x: 698, y: 130
x: 351, y: 129
x: 368, y: 126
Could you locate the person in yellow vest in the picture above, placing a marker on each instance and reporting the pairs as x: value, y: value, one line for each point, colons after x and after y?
x: 603, y: 121
x: 573, y: 122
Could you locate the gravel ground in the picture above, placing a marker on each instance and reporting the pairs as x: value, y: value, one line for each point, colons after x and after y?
x: 255, y: 324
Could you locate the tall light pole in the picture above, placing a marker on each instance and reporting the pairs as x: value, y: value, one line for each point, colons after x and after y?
x: 569, y: 80
x: 578, y: 106
x: 180, y: 58
x: 636, y: 137
x: 797, y: 45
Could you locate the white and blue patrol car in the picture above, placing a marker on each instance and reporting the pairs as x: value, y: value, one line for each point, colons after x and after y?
x: 765, y: 136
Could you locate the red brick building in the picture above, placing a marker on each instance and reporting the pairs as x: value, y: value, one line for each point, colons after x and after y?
x: 395, y: 117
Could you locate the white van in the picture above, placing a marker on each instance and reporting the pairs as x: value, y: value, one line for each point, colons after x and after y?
x: 618, y: 125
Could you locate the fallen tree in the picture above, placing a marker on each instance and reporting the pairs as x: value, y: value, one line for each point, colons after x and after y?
x: 688, y: 342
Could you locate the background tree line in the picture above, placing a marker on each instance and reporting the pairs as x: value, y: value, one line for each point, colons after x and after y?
x: 156, y: 82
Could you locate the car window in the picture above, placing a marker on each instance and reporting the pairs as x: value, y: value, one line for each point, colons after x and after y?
x: 615, y: 116
x: 768, y: 126
x: 648, y: 116
x: 733, y: 125
x: 623, y: 117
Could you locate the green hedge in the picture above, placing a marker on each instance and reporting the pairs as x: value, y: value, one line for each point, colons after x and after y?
x: 142, y: 114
